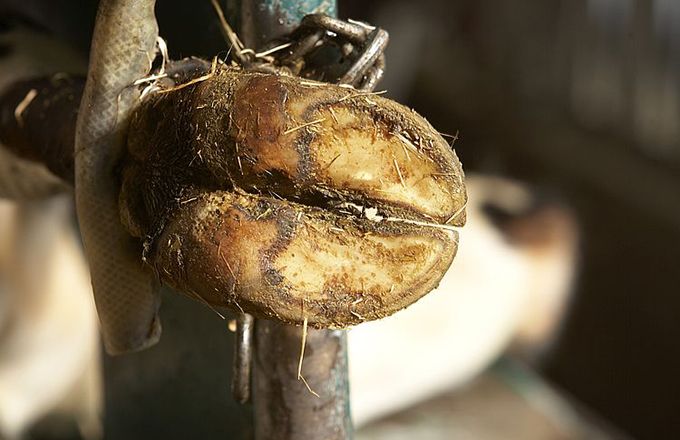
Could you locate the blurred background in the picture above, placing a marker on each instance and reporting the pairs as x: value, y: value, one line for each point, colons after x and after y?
x: 578, y: 103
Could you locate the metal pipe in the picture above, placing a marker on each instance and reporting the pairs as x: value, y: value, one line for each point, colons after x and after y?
x: 260, y: 21
x: 314, y: 405
x: 241, y: 374
x: 284, y: 402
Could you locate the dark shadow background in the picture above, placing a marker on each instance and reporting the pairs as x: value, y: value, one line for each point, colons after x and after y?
x: 577, y: 96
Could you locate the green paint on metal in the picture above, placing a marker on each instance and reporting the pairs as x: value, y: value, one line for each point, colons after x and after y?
x: 292, y: 11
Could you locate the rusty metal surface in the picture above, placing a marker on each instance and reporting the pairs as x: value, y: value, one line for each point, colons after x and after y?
x: 284, y: 407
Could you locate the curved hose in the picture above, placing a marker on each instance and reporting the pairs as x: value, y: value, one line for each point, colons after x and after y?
x: 126, y: 295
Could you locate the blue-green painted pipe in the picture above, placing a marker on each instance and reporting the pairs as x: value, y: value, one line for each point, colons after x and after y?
x: 259, y: 21
x: 292, y: 11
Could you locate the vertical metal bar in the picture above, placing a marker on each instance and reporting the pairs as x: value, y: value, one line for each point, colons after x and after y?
x: 285, y: 406
x: 241, y: 374
x: 313, y: 407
